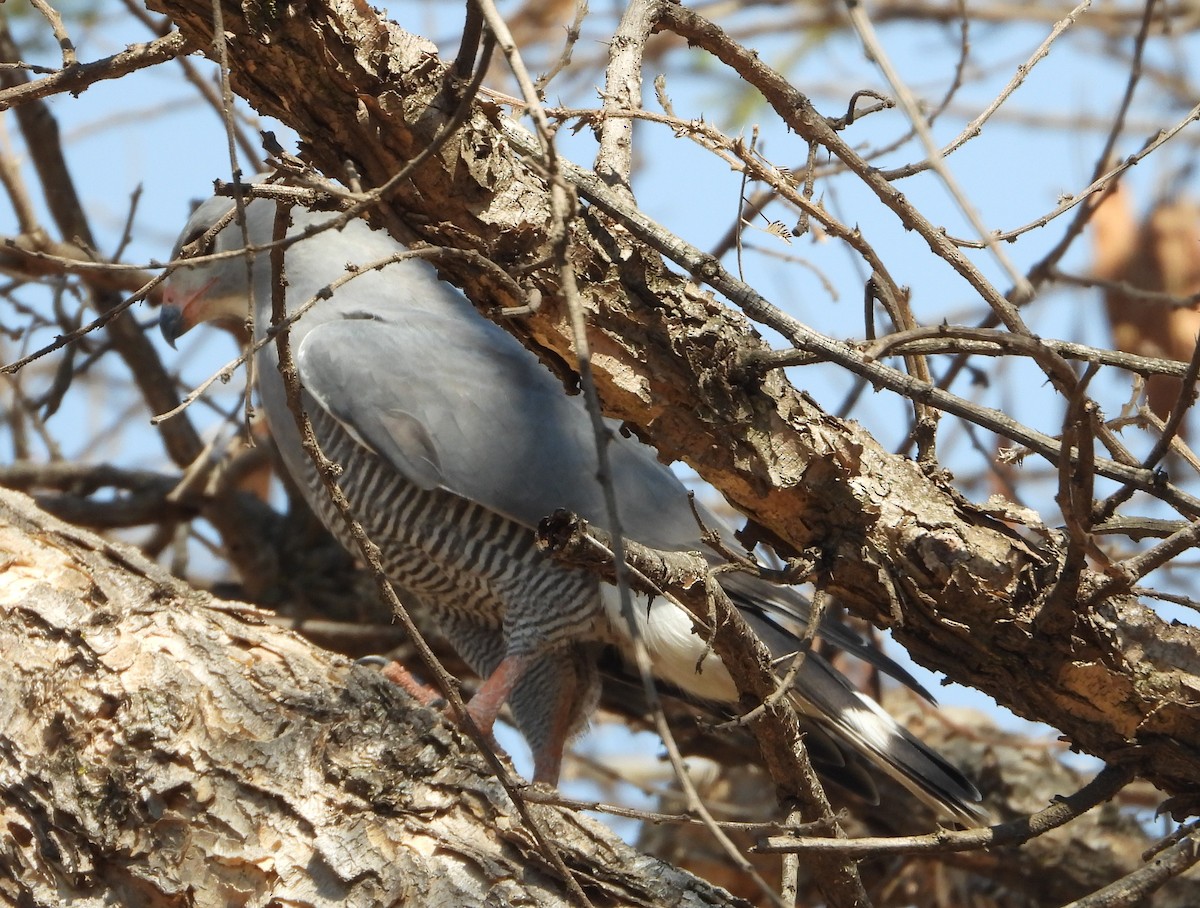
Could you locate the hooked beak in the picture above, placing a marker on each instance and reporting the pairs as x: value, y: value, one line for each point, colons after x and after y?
x: 181, y: 312
x: 171, y: 323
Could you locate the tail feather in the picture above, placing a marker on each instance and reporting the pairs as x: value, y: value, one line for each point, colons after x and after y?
x: 827, y: 698
x: 851, y: 738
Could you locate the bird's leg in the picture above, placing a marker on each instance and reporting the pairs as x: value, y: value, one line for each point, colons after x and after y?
x: 548, y: 754
x: 484, y: 707
x: 494, y: 692
x: 547, y: 763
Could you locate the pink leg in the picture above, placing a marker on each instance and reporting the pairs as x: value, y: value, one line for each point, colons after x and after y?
x: 485, y: 706
x: 547, y: 759
x: 494, y: 693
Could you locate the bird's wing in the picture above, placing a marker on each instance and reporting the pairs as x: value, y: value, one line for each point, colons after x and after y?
x: 457, y: 403
x: 779, y: 614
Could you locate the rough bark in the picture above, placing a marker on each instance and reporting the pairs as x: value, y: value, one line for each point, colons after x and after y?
x: 964, y: 592
x: 160, y: 747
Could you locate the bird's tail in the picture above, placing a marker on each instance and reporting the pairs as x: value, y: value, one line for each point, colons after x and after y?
x: 857, y: 723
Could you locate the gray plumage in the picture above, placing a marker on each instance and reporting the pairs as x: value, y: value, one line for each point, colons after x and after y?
x: 455, y: 442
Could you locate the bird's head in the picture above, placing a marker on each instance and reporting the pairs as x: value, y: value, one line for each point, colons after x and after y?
x: 212, y: 291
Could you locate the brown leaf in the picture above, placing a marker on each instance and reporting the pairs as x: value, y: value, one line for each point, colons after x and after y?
x: 1160, y: 255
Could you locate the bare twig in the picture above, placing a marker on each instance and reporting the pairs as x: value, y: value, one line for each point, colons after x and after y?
x: 81, y: 76
x: 975, y: 127
x: 60, y: 31
x: 1139, y: 885
x: 564, y: 58
x: 1103, y: 787
x: 875, y: 51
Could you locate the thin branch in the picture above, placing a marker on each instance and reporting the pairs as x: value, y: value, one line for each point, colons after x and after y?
x: 1135, y: 888
x: 1128, y: 572
x: 975, y: 127
x: 1097, y: 186
x: 1039, y: 272
x: 1076, y: 479
x: 60, y: 31
x: 875, y: 50
x: 623, y: 91
x: 81, y: 76
x: 543, y: 796
x: 1102, y: 788
x: 564, y: 58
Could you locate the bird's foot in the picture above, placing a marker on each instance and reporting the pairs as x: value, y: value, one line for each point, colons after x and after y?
x: 422, y: 693
x: 433, y: 698
x: 547, y: 765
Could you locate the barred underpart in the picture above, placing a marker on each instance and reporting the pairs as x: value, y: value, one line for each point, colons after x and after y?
x: 492, y: 591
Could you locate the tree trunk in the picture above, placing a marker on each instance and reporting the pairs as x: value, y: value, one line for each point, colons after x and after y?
x: 159, y: 747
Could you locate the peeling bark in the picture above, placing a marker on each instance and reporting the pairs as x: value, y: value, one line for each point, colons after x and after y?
x: 159, y: 747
